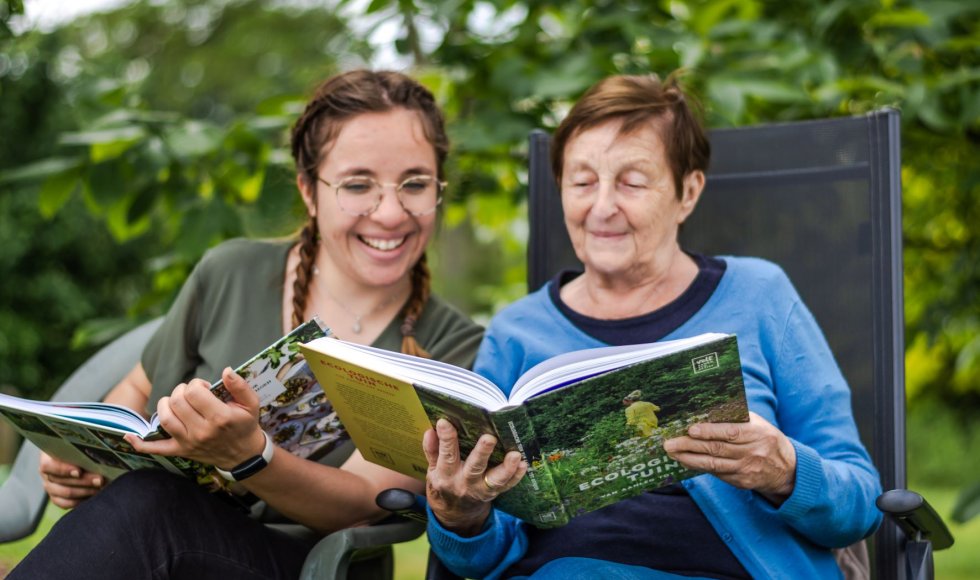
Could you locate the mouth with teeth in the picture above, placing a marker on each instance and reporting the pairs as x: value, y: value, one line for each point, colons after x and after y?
x: 383, y: 244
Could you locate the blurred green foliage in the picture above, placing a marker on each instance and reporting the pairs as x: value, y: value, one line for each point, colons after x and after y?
x: 164, y: 122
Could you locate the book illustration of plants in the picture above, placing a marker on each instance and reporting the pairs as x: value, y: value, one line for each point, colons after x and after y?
x: 596, y: 448
x: 470, y: 422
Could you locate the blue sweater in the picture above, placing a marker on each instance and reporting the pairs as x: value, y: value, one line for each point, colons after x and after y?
x: 791, y: 380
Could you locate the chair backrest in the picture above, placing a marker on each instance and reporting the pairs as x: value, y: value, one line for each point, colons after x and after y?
x: 823, y: 200
x: 22, y: 497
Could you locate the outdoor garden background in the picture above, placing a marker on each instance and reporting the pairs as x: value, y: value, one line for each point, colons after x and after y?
x: 134, y: 139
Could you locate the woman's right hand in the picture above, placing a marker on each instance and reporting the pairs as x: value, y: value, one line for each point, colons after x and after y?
x: 459, y: 493
x: 68, y: 485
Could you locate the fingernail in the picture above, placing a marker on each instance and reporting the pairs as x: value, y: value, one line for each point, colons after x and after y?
x: 695, y: 430
x: 97, y: 482
x: 75, y: 473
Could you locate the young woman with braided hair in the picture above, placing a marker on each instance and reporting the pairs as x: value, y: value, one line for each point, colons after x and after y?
x: 369, y: 151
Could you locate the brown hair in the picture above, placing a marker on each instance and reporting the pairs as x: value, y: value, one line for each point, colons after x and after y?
x: 639, y: 99
x: 336, y: 101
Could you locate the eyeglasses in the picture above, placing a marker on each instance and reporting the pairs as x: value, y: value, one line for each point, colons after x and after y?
x: 361, y: 195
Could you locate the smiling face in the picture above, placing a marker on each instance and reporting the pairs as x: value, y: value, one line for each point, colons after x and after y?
x: 377, y: 249
x: 621, y: 206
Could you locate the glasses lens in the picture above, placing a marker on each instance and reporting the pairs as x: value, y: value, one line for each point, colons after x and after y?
x: 419, y: 194
x: 358, y: 195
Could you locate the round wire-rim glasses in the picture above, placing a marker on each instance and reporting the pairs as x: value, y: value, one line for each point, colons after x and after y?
x: 361, y: 195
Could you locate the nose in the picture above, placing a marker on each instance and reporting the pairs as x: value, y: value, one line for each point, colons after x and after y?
x: 390, y: 211
x: 604, y: 205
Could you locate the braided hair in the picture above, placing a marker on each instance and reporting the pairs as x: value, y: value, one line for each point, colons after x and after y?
x: 335, y: 101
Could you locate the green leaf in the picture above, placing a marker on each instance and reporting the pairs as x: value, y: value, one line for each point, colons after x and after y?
x: 192, y: 139
x: 251, y: 187
x: 100, y: 152
x: 902, y: 18
x: 103, y: 136
x: 106, y: 183
x: 55, y: 191
x: 575, y: 74
x: 41, y: 169
x: 141, y: 205
x: 967, y: 505
x: 99, y: 331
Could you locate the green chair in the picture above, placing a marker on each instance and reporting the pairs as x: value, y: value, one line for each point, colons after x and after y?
x: 355, y: 552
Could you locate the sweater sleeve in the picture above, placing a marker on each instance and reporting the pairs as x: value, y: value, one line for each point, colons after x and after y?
x: 502, y: 542
x: 832, y: 503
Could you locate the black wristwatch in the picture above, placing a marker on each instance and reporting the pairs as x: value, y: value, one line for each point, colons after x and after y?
x: 250, y: 466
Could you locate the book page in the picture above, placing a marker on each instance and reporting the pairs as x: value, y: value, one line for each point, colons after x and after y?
x: 575, y: 366
x: 432, y: 374
x: 111, y: 416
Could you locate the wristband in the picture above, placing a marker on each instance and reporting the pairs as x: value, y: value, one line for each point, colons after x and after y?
x: 250, y: 466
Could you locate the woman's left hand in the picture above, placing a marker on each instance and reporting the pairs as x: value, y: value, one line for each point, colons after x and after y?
x: 206, y: 429
x: 754, y: 455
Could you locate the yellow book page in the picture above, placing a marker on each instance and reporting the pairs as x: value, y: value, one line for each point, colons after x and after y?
x: 383, y: 415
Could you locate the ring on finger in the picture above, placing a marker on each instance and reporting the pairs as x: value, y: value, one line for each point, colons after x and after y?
x: 490, y: 486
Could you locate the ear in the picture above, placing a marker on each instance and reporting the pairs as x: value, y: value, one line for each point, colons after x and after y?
x: 693, y: 186
x: 308, y: 193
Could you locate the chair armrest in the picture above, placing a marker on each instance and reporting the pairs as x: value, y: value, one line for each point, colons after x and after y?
x: 22, y: 496
x: 331, y: 557
x: 412, y: 506
x: 916, y: 517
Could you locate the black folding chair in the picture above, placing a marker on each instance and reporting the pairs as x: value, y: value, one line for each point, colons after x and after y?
x: 823, y: 200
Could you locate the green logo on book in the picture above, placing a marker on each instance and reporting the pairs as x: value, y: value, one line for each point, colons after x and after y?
x: 705, y: 362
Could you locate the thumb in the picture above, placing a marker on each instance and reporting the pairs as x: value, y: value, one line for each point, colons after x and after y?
x: 241, y: 392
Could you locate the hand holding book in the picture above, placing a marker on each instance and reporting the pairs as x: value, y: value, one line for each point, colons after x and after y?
x: 460, y: 492
x: 217, y: 424
x: 753, y: 455
x: 589, y: 425
x: 68, y: 484
x: 206, y: 429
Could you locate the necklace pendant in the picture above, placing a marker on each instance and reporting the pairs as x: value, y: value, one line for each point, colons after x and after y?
x: 356, y: 328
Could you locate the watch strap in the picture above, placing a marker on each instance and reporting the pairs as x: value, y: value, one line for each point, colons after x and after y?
x: 250, y: 466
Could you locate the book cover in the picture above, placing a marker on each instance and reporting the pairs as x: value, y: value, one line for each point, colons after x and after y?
x: 294, y: 411
x: 591, y: 427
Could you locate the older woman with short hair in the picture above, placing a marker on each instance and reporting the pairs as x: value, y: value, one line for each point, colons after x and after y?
x: 778, y: 492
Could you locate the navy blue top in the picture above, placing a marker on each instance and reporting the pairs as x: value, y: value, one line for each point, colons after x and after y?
x: 667, y: 518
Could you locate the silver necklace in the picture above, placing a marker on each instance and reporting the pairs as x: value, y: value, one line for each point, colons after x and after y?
x: 356, y: 327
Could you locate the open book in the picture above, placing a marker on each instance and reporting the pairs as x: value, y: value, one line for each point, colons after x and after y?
x: 590, y: 424
x: 293, y: 410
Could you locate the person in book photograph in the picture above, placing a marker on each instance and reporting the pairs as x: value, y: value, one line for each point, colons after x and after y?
x: 778, y: 493
x: 369, y: 150
x: 641, y: 415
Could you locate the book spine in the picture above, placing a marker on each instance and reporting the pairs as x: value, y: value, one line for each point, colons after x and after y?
x: 535, y: 498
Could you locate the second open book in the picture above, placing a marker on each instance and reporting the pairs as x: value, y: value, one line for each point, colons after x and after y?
x: 590, y: 424
x: 293, y: 411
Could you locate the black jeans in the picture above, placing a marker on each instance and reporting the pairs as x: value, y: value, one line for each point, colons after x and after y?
x: 153, y: 524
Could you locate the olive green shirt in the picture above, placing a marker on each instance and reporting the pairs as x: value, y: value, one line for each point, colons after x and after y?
x: 230, y: 308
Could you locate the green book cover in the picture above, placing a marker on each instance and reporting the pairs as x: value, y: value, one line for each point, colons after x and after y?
x: 601, y: 439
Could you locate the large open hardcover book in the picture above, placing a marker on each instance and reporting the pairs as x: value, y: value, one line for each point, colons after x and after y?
x: 590, y: 424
